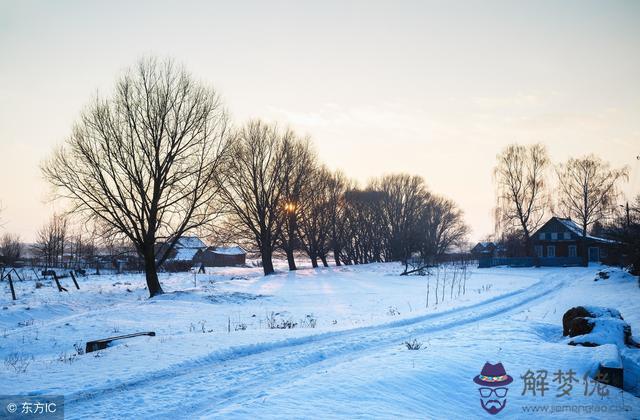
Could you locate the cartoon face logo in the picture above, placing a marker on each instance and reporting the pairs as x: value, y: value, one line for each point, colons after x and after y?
x: 493, y: 381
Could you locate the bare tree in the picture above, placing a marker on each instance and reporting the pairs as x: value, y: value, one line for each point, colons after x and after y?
x: 588, y: 189
x: 145, y: 162
x: 256, y: 189
x: 625, y: 229
x: 403, y: 199
x: 299, y: 161
x: 51, y: 241
x: 316, y: 216
x: 365, y: 233
x: 442, y: 227
x: 82, y: 248
x: 10, y: 248
x: 336, y: 188
x: 522, y: 193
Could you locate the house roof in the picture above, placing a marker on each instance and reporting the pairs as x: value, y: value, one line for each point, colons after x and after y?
x: 231, y: 250
x: 484, y: 246
x: 184, y: 254
x: 190, y: 242
x: 577, y: 230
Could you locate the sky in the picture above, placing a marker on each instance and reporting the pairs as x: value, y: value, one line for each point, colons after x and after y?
x: 433, y: 88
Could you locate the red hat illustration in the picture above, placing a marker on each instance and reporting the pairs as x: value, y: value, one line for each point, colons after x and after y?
x: 493, y: 375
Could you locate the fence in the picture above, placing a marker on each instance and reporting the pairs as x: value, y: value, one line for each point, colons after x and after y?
x: 531, y: 262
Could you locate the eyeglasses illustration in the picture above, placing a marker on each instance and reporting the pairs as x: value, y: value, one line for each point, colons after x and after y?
x: 500, y: 392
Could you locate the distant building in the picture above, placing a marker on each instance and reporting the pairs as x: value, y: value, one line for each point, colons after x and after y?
x: 562, y: 238
x: 221, y: 256
x: 484, y: 250
x: 559, y: 242
x: 181, y: 257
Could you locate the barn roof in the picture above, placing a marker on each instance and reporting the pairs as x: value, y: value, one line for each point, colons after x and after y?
x: 190, y: 242
x: 231, y: 250
x: 184, y: 254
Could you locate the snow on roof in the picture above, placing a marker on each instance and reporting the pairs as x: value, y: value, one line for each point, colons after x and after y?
x: 185, y: 254
x: 190, y: 242
x: 577, y: 230
x: 231, y: 250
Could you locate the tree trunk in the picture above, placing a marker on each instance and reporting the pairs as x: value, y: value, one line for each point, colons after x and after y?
x: 323, y: 258
x: 528, y: 249
x: 290, y: 241
x: 151, y: 273
x: 267, y: 262
x: 314, y: 261
x: 291, y: 260
x: 336, y: 257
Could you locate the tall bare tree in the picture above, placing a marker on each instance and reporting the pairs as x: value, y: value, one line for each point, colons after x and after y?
x: 51, y: 241
x: 256, y: 186
x: 522, y: 192
x: 300, y: 162
x: 316, y: 216
x: 403, y: 198
x: 337, y: 185
x: 145, y: 161
x: 588, y: 189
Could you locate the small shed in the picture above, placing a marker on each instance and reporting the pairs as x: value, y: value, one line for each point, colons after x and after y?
x: 220, y: 256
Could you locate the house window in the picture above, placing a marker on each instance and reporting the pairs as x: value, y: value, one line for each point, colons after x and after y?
x: 573, y: 251
x: 551, y: 251
x: 554, y: 236
x: 567, y: 235
x: 542, y: 236
x: 538, y: 249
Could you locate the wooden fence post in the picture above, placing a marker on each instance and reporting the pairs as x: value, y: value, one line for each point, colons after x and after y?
x: 73, y: 276
x: 60, y: 288
x: 17, y: 274
x: 13, y: 292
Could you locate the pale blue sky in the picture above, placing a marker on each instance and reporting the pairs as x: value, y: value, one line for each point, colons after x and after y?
x: 432, y: 88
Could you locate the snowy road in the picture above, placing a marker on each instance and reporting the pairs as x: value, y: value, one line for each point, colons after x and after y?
x: 217, y: 384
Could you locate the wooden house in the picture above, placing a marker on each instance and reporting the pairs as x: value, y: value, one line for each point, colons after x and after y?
x: 562, y: 239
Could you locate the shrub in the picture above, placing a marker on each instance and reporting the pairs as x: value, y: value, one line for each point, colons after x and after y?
x: 393, y: 311
x: 413, y: 345
x: 273, y: 322
x: 19, y: 362
x: 309, y: 321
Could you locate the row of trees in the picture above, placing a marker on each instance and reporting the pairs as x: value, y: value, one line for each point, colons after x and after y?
x: 56, y: 245
x: 159, y: 158
x: 281, y: 198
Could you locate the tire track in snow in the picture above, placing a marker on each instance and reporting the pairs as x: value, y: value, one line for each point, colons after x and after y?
x: 241, y: 373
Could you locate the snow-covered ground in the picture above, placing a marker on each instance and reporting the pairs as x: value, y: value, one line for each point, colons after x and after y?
x: 215, y: 355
